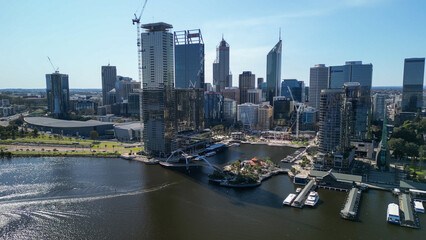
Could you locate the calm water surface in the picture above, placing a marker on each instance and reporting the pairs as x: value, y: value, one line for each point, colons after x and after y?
x: 95, y: 198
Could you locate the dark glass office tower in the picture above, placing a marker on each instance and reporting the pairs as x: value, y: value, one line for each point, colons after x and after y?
x: 58, y: 94
x: 109, y: 76
x: 293, y: 89
x: 189, y: 59
x: 412, y: 88
x: 273, y: 72
x: 221, y: 74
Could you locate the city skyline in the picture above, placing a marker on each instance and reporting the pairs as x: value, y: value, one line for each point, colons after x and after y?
x: 80, y: 37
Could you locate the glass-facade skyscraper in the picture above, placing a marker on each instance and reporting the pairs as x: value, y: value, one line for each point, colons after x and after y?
x: 221, y: 75
x: 109, y: 76
x: 189, y: 59
x: 355, y: 71
x: 412, y: 88
x: 58, y: 94
x: 293, y: 89
x: 273, y: 72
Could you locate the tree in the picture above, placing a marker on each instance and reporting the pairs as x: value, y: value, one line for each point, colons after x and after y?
x: 417, y: 118
x: 397, y: 145
x: 35, y: 132
x: 94, y: 135
x: 411, y: 149
x: 421, y: 155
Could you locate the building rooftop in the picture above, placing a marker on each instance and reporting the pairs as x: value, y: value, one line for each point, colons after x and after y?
x: 158, y: 26
x: 58, y: 123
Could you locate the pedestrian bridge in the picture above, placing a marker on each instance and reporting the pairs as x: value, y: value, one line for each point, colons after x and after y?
x: 203, y: 162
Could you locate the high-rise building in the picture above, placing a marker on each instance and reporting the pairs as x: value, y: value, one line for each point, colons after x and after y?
x: 189, y: 109
x: 306, y: 94
x: 331, y: 101
x: 232, y: 93
x: 158, y: 89
x: 355, y: 71
x: 318, y: 80
x: 189, y: 59
x: 213, y: 108
x: 259, y: 83
x: 293, y: 89
x: 247, y: 81
x: 265, y: 113
x: 109, y: 76
x: 247, y: 113
x: 124, y: 86
x: 412, y: 88
x: 283, y: 108
x: 58, y: 94
x: 273, y: 72
x: 254, y: 96
x: 229, y: 110
x: 379, y: 106
x: 221, y: 74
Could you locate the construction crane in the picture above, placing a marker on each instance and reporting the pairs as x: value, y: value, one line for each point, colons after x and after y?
x: 56, y: 70
x: 299, y: 109
x: 137, y: 20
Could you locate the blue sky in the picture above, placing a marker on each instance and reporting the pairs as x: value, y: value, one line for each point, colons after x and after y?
x: 82, y: 35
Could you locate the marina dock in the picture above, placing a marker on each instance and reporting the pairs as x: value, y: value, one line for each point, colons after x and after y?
x: 300, y: 199
x: 350, y: 209
x: 408, y: 216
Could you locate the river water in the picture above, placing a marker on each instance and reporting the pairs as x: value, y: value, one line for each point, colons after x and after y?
x: 102, y: 198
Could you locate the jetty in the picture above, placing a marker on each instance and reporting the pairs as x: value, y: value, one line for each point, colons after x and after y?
x: 408, y: 216
x: 350, y: 208
x: 299, y: 202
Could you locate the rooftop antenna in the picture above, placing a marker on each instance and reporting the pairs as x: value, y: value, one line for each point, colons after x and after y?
x: 54, y: 69
x: 280, y: 34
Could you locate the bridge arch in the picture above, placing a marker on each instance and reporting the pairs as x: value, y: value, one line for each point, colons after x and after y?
x: 178, y: 151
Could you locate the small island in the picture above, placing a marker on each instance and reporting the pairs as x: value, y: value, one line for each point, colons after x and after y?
x: 248, y: 173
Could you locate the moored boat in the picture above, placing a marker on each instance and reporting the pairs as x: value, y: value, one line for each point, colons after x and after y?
x: 289, y: 199
x: 312, y: 199
x: 392, y: 215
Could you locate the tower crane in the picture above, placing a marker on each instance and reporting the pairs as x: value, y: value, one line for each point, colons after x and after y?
x: 137, y: 20
x: 139, y: 44
x: 56, y: 70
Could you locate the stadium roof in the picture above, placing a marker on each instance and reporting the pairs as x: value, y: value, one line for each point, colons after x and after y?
x: 58, y: 123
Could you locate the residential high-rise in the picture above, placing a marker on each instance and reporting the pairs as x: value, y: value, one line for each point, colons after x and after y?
x: 109, y: 76
x: 355, y: 71
x: 412, y: 88
x: 58, y: 94
x: 293, y: 89
x: 318, y: 80
x: 221, y: 74
x: 158, y: 99
x: 189, y: 59
x: 379, y: 106
x: 273, y: 72
x: 331, y: 101
x: 247, y: 81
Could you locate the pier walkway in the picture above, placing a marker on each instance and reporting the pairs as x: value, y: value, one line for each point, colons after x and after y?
x: 408, y: 216
x: 300, y: 199
x: 350, y: 209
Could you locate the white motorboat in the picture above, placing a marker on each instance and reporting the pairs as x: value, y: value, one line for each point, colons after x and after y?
x: 289, y: 199
x: 312, y: 199
x: 392, y: 215
x: 298, y: 190
x: 418, y: 207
